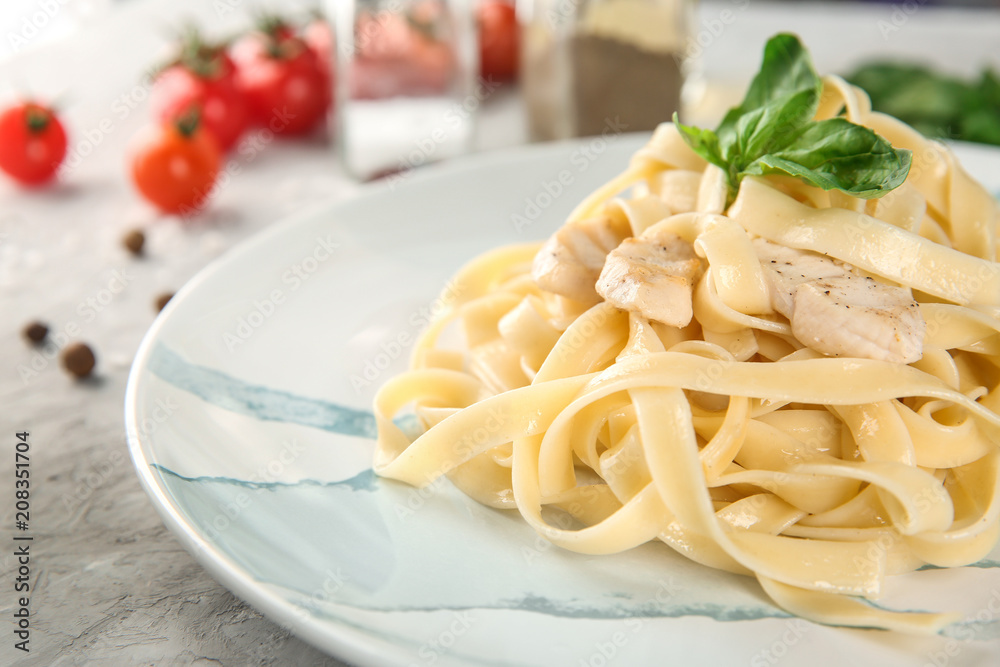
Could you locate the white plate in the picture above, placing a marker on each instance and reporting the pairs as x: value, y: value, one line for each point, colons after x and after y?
x: 248, y: 409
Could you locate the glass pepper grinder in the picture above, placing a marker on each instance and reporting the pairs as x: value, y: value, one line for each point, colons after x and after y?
x: 591, y: 66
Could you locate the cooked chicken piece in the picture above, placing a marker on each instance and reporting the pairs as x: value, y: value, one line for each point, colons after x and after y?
x: 653, y: 276
x: 838, y: 312
x: 787, y: 268
x: 571, y: 260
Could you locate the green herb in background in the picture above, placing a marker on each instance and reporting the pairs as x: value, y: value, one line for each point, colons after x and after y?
x: 773, y: 132
x: 935, y: 105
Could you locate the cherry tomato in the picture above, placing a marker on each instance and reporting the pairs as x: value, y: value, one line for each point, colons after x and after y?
x: 175, y: 164
x: 32, y: 143
x: 203, y: 76
x: 399, y: 55
x: 288, y: 90
x: 499, y: 37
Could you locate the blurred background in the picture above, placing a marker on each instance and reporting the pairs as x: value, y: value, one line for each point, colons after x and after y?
x: 552, y: 69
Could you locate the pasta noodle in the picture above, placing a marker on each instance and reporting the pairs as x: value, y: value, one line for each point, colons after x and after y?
x: 731, y: 437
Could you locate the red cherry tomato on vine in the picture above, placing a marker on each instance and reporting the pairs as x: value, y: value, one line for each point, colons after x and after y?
x: 224, y: 109
x: 287, y: 87
x: 203, y: 76
x: 499, y: 39
x: 175, y: 165
x: 32, y: 143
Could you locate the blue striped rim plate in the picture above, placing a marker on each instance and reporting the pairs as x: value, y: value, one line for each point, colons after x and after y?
x: 249, y: 421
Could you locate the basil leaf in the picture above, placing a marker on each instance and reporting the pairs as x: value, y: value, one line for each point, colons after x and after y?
x: 982, y: 125
x: 934, y: 104
x: 763, y: 130
x: 836, y: 154
x: 981, y: 119
x: 772, y: 132
x: 703, y: 142
x: 786, y: 70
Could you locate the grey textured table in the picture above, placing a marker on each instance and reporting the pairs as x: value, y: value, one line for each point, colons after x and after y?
x: 109, y: 584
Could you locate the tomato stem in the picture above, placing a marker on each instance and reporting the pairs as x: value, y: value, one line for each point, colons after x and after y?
x: 428, y: 29
x: 202, y: 58
x: 272, y: 25
x: 37, y: 118
x: 187, y: 123
x: 280, y: 39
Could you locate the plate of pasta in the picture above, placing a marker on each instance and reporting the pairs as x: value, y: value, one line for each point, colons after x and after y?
x: 704, y: 396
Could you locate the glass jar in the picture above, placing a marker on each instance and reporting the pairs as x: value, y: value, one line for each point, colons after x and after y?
x: 591, y: 65
x: 405, y: 69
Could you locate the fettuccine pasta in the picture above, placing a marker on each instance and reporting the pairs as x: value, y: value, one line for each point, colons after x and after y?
x: 818, y: 459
